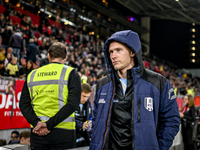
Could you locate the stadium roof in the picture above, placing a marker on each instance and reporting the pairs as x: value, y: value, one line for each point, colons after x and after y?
x: 179, y: 10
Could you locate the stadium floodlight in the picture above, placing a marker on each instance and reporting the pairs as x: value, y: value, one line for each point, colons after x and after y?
x: 85, y: 18
x: 67, y: 22
x: 72, y: 9
x: 193, y: 42
x: 193, y: 60
x: 62, y: 19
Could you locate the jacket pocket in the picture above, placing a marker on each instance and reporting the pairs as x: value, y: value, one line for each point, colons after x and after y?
x: 139, y: 105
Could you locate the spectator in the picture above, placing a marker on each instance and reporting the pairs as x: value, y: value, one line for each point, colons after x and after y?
x: 23, y: 22
x: 14, y: 136
x: 16, y: 26
x: 8, y: 22
x: 2, y: 54
x: 8, y: 59
x: 84, y: 78
x: 187, y: 120
x: 36, y: 41
x: 10, y: 50
x: 7, y: 33
x: 72, y: 62
x: 16, y: 42
x: 12, y: 68
x: 44, y: 61
x: 190, y: 90
x: 24, y: 138
x: 31, y: 51
x: 1, y: 20
x: 82, y: 115
x: 2, y: 142
x: 23, y: 72
x: 93, y: 93
x: 2, y: 69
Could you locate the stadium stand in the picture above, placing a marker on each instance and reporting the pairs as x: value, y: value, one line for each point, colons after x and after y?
x: 84, y: 51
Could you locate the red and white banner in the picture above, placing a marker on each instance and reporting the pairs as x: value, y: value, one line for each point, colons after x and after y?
x: 10, y: 114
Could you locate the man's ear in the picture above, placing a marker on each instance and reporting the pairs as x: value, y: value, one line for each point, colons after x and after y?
x: 132, y: 54
x: 22, y: 139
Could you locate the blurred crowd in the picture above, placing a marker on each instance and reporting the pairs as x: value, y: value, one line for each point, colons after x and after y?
x: 24, y: 46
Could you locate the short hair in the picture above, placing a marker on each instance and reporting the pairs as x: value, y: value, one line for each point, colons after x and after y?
x: 26, y: 134
x: 57, y: 50
x: 2, y: 49
x: 86, y: 88
x: 99, y: 75
x: 14, y: 58
x: 1, y: 61
x: 15, y: 132
x: 2, y: 142
x: 31, y: 40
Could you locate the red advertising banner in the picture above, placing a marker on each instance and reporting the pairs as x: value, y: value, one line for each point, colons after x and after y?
x: 10, y: 114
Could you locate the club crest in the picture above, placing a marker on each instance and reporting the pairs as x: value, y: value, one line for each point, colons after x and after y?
x: 148, y: 103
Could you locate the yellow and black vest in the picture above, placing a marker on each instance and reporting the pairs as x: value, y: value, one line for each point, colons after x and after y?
x: 190, y: 91
x: 49, y: 92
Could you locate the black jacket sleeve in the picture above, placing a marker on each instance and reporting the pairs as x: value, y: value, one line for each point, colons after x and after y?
x: 190, y: 115
x: 74, y: 95
x: 26, y: 107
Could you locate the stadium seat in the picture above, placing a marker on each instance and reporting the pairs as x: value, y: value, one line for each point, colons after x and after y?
x: 2, y: 9
x: 180, y: 103
x: 197, y: 100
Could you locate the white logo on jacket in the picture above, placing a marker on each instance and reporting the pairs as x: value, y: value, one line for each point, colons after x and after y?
x: 102, y: 101
x: 171, y: 94
x: 148, y: 103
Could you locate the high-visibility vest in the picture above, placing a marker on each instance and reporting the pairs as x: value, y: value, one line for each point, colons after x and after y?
x: 84, y: 79
x: 190, y: 91
x: 49, y: 92
x: 175, y: 91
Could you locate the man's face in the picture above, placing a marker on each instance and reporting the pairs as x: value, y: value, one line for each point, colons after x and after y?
x: 120, y: 56
x: 13, y: 137
x: 25, y: 141
x: 84, y: 97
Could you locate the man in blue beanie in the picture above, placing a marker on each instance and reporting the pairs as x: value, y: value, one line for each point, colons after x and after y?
x: 134, y: 108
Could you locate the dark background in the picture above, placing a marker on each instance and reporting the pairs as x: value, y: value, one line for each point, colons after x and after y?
x: 171, y: 40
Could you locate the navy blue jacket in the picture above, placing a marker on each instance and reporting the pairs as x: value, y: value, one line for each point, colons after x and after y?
x: 155, y: 115
x: 31, y: 52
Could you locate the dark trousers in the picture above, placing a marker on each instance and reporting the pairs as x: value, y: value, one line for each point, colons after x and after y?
x: 187, y: 131
x: 85, y: 135
x: 57, y: 139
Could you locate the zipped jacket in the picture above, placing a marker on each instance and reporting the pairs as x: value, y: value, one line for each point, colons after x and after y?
x: 155, y: 118
x: 88, y: 115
